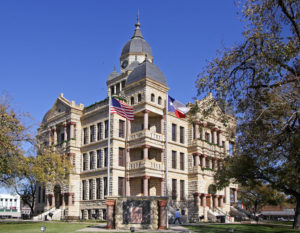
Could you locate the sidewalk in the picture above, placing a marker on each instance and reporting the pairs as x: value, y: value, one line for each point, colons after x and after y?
x: 101, y: 228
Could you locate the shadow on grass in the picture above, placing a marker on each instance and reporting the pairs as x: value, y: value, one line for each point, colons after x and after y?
x: 245, y: 228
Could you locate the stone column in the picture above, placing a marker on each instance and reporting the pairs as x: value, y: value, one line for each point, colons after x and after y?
x: 72, y: 129
x: 146, y: 151
x: 162, y: 155
x: 53, y: 200
x: 162, y: 187
x: 220, y: 137
x: 226, y: 147
x: 162, y: 214
x: 196, y: 131
x: 216, y: 164
x: 54, y: 135
x: 128, y: 127
x: 47, y: 201
x: 214, y: 132
x: 162, y: 124
x: 145, y: 183
x: 146, y: 119
x: 127, y: 186
x: 62, y: 196
x: 65, y: 131
x: 221, y: 201
x: 204, y: 200
x: 235, y: 195
x: 204, y: 160
x: 49, y: 137
x: 197, y: 159
x: 110, y: 214
x: 210, y: 162
x: 196, y: 199
x: 70, y: 199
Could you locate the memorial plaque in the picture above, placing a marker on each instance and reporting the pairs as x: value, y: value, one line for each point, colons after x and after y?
x: 136, y: 214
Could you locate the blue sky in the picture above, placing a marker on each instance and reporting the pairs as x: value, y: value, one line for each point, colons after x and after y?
x: 70, y: 46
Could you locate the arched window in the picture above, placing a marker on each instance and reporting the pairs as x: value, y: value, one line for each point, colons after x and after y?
x: 152, y: 97
x: 159, y: 100
x: 132, y: 101
x: 139, y: 97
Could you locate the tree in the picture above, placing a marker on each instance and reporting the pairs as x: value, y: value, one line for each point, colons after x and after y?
x: 259, y: 78
x: 254, y: 198
x: 12, y: 135
x: 47, y: 167
x: 23, y: 170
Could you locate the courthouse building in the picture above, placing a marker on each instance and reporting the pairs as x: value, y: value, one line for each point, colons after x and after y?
x: 137, y: 159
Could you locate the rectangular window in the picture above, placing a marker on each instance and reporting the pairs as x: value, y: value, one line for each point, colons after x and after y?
x: 207, y: 137
x: 106, y: 129
x: 99, y: 155
x: 181, y: 161
x: 218, y: 139
x: 98, y: 188
x: 121, y: 128
x: 231, y: 148
x: 174, y: 159
x: 121, y: 157
x: 83, y: 190
x: 91, y: 189
x: 181, y: 134
x: 44, y: 195
x: 174, y: 189
x: 85, y: 136
x: 181, y: 189
x: 105, y: 185
x: 174, y: 132
x: 100, y: 131
x: 84, y: 162
x: 92, y: 160
x: 121, y: 186
x: 105, y: 157
x: 92, y: 133
x: 39, y: 194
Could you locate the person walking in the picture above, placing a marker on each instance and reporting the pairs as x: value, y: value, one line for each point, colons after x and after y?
x: 177, y: 217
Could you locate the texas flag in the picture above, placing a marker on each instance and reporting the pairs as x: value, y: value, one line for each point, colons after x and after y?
x: 178, y: 108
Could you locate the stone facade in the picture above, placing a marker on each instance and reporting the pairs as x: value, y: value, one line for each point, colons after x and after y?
x: 137, y: 150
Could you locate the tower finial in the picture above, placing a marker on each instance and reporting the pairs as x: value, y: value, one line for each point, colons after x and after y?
x: 137, y: 31
x: 137, y: 25
x: 115, y: 69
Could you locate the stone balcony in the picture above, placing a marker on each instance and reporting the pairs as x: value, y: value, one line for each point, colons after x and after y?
x: 146, y: 136
x: 208, y: 146
x: 152, y: 167
x: 202, y: 171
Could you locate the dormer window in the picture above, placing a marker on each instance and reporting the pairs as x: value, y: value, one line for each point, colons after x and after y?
x: 152, y: 97
x: 139, y: 97
x: 132, y: 100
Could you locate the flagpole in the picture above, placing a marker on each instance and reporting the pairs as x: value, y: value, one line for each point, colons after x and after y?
x: 108, y: 144
x: 166, y: 154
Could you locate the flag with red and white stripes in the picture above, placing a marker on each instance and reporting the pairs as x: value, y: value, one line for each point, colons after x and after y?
x: 122, y: 109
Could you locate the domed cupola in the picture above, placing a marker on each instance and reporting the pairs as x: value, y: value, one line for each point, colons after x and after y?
x: 146, y: 69
x: 136, y: 49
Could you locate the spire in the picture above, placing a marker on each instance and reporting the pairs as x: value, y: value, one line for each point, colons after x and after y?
x: 137, y: 31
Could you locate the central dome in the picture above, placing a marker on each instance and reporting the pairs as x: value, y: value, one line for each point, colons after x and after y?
x: 137, y: 44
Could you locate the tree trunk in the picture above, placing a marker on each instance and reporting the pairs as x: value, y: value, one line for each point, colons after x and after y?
x: 297, y: 214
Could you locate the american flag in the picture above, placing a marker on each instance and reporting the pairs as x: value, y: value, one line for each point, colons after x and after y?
x: 122, y: 109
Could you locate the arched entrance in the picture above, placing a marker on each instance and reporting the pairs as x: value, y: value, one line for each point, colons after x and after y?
x: 57, y: 195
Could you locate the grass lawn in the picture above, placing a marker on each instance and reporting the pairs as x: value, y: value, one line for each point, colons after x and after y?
x: 35, y: 227
x: 245, y: 228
